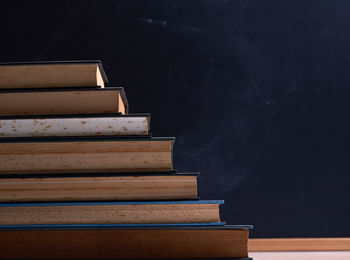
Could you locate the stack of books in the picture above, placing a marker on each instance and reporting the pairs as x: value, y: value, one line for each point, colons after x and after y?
x: 80, y: 178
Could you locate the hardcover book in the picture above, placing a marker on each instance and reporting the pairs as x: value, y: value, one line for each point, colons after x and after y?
x: 53, y: 74
x: 76, y: 213
x: 161, y: 242
x: 100, y: 187
x: 90, y: 155
x: 76, y: 126
x: 62, y: 101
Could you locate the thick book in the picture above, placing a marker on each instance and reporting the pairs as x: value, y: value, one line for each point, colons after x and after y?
x: 76, y: 126
x: 158, y: 186
x: 53, y: 74
x: 200, y: 242
x: 87, y: 155
x: 76, y: 213
x: 63, y: 101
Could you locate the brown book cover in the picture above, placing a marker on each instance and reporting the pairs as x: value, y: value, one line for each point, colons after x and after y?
x: 62, y: 101
x: 126, y: 243
x: 53, y: 74
x: 100, y: 187
x: 87, y: 155
x: 110, y: 212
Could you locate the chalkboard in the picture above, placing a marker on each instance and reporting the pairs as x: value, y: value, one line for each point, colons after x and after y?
x: 256, y: 93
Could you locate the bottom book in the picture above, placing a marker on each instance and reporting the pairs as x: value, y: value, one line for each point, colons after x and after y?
x: 125, y: 243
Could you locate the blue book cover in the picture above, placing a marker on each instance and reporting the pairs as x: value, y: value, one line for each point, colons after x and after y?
x: 88, y: 214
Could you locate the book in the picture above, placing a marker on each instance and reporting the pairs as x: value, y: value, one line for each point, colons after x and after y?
x: 75, y: 213
x: 87, y: 155
x: 126, y: 242
x: 62, y: 101
x: 53, y: 74
x: 76, y: 126
x: 158, y: 186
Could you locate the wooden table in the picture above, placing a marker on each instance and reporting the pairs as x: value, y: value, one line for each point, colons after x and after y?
x: 300, y: 248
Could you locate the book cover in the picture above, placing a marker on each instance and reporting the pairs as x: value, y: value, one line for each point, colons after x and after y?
x: 176, y: 242
x: 99, y: 187
x: 112, y: 213
x: 72, y: 126
x: 62, y: 101
x: 86, y: 155
x: 55, y: 74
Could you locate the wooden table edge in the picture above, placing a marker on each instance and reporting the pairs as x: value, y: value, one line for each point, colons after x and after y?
x: 298, y: 244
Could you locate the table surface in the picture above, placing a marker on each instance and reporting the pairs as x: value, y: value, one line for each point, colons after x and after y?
x: 299, y: 244
x: 300, y: 248
x: 301, y: 255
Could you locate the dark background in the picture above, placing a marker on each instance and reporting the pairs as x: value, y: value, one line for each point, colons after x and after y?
x: 256, y: 93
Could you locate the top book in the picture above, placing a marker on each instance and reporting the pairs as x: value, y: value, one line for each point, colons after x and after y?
x: 52, y: 74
